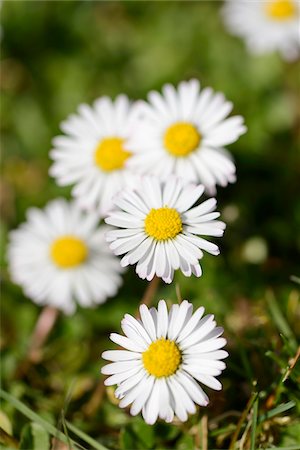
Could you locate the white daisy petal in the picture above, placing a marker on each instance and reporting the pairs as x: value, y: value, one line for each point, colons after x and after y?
x: 162, y: 322
x: 118, y: 367
x: 151, y: 408
x: 208, y: 363
x: 205, y: 325
x: 138, y: 253
x: 121, y: 376
x: 148, y: 321
x: 120, y: 355
x: 141, y: 399
x: 179, y: 400
x: 189, y: 196
x: 213, y: 344
x: 218, y: 354
x: 181, y: 395
x: 126, y: 385
x: 132, y: 333
x: 172, y: 101
x: 207, y: 380
x: 193, y: 389
x: 180, y: 319
x: 126, y: 343
x: 121, y: 246
x: 165, y: 410
x: 138, y: 327
x: 133, y: 393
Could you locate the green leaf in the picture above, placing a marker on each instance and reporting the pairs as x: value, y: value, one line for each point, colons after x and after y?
x: 35, y: 437
x: 40, y: 437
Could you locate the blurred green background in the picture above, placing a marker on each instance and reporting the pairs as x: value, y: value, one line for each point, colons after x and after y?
x: 56, y: 55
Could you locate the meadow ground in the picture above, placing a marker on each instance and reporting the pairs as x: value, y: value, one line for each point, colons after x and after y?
x: 56, y: 55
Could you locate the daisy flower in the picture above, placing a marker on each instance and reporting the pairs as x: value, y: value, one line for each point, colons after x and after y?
x: 165, y: 356
x: 92, y: 154
x: 59, y: 256
x: 158, y: 229
x: 266, y: 25
x: 183, y: 132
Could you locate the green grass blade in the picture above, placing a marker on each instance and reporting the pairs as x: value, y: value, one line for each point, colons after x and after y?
x: 36, y: 418
x: 242, y: 420
x: 254, y: 423
x: 278, y: 410
x: 293, y: 447
x: 95, y: 445
x: 280, y: 320
x: 295, y: 279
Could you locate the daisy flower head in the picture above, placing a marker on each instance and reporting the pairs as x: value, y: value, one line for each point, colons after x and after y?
x: 266, y: 26
x: 158, y: 229
x: 60, y: 257
x: 183, y: 132
x: 92, y: 154
x: 166, y: 356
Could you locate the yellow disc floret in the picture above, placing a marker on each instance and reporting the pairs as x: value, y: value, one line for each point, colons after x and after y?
x: 281, y: 9
x: 68, y: 251
x: 162, y: 358
x: 163, y: 223
x: 181, y: 139
x: 110, y: 154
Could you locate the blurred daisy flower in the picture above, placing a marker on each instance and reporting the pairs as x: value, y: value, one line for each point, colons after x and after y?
x: 165, y: 356
x: 59, y: 256
x: 183, y: 132
x: 266, y: 25
x: 158, y: 229
x: 92, y: 155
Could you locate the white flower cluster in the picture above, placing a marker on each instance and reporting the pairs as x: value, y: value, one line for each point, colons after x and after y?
x: 142, y: 167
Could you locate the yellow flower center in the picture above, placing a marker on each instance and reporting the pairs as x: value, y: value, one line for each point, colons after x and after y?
x: 281, y: 9
x: 163, y: 223
x: 162, y: 358
x: 110, y: 154
x: 181, y: 139
x: 68, y: 251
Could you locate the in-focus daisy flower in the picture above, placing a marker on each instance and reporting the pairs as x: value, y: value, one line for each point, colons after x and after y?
x: 59, y: 257
x: 158, y: 229
x: 183, y: 132
x: 266, y: 25
x: 92, y: 155
x: 165, y: 356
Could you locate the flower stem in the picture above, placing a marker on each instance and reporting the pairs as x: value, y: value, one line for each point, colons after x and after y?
x: 150, y: 291
x: 43, y: 327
